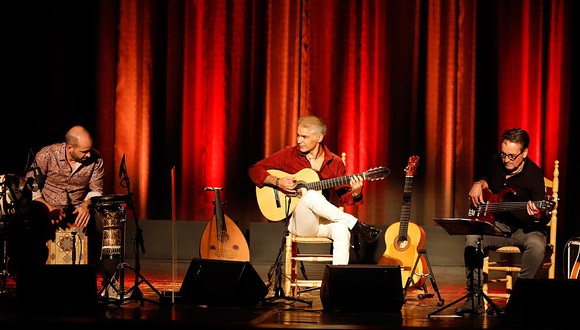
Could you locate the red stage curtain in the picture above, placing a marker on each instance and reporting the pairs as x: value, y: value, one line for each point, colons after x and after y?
x: 211, y: 86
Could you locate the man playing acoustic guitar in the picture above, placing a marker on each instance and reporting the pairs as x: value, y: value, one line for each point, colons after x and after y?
x: 314, y: 215
x: 516, y: 177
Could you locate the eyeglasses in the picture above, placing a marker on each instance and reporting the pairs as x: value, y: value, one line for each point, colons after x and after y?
x: 503, y: 155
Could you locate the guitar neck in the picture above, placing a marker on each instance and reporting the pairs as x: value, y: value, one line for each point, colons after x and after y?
x: 329, y: 183
x: 495, y: 207
x: 406, y: 207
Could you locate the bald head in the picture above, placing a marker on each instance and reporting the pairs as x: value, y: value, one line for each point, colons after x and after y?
x: 78, y: 136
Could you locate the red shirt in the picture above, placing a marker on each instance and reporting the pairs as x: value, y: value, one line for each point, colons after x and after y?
x: 291, y: 161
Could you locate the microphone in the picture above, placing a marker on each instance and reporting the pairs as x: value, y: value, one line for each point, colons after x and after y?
x: 31, y: 184
x: 37, y: 182
x: 39, y: 178
x: 122, y: 167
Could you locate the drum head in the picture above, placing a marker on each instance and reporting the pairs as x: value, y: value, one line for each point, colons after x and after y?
x: 109, y: 199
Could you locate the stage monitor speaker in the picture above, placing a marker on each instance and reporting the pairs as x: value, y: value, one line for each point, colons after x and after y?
x: 362, y: 287
x: 222, y: 283
x: 58, y: 288
x: 543, y: 299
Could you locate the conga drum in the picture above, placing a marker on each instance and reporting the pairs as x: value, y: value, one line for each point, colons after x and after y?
x: 111, y: 211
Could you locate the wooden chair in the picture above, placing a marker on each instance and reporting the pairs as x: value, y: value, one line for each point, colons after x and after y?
x: 510, y: 256
x: 294, y: 283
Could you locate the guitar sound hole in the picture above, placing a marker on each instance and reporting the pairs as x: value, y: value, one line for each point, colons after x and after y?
x: 402, y: 243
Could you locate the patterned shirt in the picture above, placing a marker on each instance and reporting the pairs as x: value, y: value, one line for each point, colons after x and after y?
x: 63, y: 186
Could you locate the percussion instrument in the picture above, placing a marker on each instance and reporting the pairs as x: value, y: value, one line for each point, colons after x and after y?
x: 66, y: 242
x: 111, y: 211
x: 15, y: 195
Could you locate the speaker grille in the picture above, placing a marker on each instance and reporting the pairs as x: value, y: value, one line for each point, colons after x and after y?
x: 362, y: 287
x: 222, y: 283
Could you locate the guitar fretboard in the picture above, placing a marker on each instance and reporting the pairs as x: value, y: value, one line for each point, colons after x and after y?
x: 406, y: 208
x: 330, y: 183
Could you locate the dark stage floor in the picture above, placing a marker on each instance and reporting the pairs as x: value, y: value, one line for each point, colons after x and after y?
x: 59, y: 298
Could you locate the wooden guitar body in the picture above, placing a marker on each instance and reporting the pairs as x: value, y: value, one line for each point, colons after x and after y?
x: 276, y: 204
x: 404, y: 239
x: 403, y: 251
x: 223, y: 244
x: 221, y: 238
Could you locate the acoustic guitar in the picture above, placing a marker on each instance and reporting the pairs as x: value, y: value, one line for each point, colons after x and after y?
x: 495, y: 203
x: 404, y: 239
x: 275, y: 204
x: 222, y: 239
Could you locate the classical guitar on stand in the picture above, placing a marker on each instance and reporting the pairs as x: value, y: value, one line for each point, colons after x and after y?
x: 275, y: 204
x: 404, y: 239
x: 222, y: 239
x: 495, y: 203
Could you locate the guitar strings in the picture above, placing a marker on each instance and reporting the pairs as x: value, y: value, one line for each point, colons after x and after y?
x: 505, y: 206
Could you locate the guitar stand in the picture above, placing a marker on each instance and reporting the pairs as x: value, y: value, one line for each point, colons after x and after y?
x: 277, y: 266
x: 430, y: 275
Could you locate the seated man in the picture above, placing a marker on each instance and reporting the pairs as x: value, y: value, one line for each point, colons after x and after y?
x: 509, y: 168
x: 314, y: 215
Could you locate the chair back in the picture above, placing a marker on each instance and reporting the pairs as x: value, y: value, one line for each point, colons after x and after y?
x: 552, y: 187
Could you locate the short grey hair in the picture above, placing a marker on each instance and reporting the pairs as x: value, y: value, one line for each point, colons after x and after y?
x: 313, y: 123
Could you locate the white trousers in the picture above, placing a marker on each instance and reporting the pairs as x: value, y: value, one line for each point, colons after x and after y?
x: 315, y: 216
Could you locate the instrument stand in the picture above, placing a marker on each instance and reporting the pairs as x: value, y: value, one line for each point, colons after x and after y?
x: 430, y: 275
x: 134, y: 292
x: 460, y: 226
x: 5, y: 274
x: 473, y: 292
x: 277, y: 267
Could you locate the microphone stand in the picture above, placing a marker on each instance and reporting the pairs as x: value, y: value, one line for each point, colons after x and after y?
x: 277, y: 268
x: 136, y: 293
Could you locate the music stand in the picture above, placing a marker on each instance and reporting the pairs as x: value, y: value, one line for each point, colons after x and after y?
x: 461, y: 226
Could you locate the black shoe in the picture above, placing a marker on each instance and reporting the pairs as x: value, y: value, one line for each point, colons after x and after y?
x: 369, y: 233
x: 475, y: 307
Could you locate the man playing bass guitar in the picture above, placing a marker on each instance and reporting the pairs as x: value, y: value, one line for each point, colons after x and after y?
x: 518, y: 179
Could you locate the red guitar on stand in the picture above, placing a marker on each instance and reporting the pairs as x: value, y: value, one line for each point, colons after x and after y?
x: 404, y: 239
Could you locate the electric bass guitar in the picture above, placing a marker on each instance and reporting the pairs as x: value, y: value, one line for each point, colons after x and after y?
x: 222, y: 239
x: 404, y: 239
x: 275, y: 204
x: 494, y: 203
